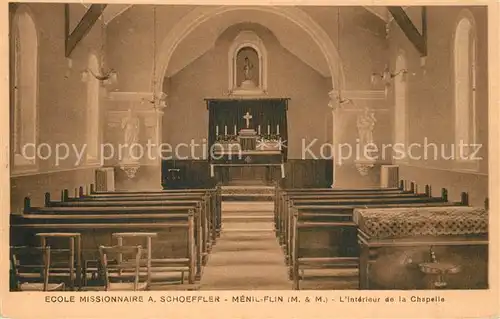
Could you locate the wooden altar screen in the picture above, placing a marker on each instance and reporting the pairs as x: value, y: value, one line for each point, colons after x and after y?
x: 247, y: 139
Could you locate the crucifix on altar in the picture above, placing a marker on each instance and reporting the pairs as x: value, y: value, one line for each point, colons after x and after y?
x: 248, y: 136
x: 247, y: 118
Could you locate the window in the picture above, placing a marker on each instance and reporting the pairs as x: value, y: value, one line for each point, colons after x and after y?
x: 400, y: 107
x: 93, y: 111
x: 465, y: 89
x: 24, y: 89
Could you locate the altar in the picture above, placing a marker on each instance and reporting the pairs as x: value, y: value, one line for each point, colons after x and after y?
x: 247, y: 140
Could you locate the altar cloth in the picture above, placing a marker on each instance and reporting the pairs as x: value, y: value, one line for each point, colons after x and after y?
x: 403, y: 222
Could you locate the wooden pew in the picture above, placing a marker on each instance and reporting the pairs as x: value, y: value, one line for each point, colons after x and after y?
x: 208, y: 215
x: 284, y: 217
x: 212, y: 198
x: 131, y: 212
x: 283, y: 196
x: 287, y: 199
x: 283, y: 192
x: 214, y: 193
x: 337, y: 220
x: 106, y: 221
x: 103, y: 230
x: 339, y: 211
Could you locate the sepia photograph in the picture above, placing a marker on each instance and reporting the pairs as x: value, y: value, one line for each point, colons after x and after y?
x: 332, y: 148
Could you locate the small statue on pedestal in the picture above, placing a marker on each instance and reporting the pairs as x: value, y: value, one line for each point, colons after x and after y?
x: 366, y: 123
x: 247, y: 69
x: 247, y: 82
x: 130, y: 163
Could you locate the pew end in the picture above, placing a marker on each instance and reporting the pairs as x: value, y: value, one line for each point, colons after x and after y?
x: 464, y: 199
x: 444, y: 194
x: 428, y: 190
x: 64, y: 195
x: 48, y: 201
x: 27, y: 203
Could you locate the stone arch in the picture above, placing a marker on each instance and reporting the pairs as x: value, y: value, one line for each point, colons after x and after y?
x: 203, y: 14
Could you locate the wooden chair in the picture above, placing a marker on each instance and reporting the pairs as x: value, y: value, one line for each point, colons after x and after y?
x: 30, y: 269
x: 158, y: 269
x: 74, y: 256
x: 122, y: 273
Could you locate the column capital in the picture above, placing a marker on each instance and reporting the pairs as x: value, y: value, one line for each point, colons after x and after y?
x: 335, y: 102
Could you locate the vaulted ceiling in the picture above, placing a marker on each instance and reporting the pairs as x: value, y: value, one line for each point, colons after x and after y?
x: 114, y: 10
x: 290, y: 36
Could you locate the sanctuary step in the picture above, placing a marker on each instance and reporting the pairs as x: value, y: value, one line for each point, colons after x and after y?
x: 245, y: 193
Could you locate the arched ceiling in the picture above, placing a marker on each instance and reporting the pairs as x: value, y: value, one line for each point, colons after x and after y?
x: 289, y: 35
x: 114, y: 10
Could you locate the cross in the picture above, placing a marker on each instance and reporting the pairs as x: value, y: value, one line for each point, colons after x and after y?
x: 247, y: 117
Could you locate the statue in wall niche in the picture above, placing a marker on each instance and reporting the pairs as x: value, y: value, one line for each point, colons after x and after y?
x: 247, y: 64
x: 247, y: 69
x: 130, y: 124
x: 366, y: 122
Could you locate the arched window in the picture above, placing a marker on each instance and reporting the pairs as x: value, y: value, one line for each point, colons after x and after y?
x: 93, y: 111
x: 400, y: 106
x: 465, y: 88
x: 24, y: 91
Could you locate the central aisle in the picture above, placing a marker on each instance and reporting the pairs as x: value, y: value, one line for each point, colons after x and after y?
x: 247, y: 255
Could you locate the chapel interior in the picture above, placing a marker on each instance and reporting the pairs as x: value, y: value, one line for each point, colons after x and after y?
x: 249, y: 113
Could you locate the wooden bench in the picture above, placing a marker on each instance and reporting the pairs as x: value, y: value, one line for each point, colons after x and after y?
x: 105, y: 222
x: 280, y: 193
x: 210, y: 197
x: 103, y: 214
x: 283, y: 197
x: 208, y: 216
x: 333, y: 220
x: 284, y: 217
x: 332, y: 212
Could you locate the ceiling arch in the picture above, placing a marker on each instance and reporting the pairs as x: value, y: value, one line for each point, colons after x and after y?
x: 198, y: 16
x: 290, y: 36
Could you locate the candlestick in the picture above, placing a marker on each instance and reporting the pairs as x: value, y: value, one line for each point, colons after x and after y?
x: 269, y: 129
x: 217, y: 130
x: 225, y: 129
x: 235, y: 129
x: 278, y: 129
x: 259, y: 129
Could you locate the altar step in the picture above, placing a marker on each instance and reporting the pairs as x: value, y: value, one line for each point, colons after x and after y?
x: 247, y: 193
x: 248, y: 206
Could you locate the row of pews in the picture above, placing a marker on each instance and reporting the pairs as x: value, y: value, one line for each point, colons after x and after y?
x: 115, y: 240
x: 382, y: 238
